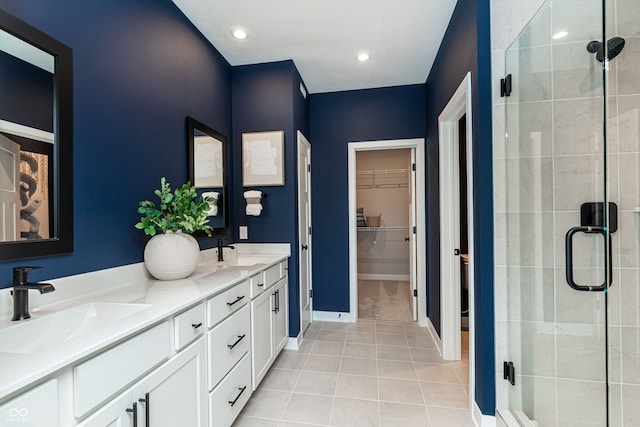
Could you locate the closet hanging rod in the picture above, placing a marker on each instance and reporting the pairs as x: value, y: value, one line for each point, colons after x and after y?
x: 381, y: 171
x: 367, y: 186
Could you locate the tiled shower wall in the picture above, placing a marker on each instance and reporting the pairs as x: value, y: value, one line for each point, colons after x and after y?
x: 555, y: 152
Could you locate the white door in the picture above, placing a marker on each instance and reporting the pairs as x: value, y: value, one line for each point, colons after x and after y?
x: 280, y: 332
x: 304, y: 221
x: 119, y: 412
x: 176, y: 393
x: 9, y: 189
x: 261, y: 336
x: 413, y: 251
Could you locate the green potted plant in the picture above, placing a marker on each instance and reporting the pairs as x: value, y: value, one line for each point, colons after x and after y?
x: 172, y: 253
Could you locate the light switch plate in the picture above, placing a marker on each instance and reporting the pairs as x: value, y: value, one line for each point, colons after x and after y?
x: 244, y: 232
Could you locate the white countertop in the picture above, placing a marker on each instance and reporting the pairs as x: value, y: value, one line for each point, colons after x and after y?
x: 127, y: 284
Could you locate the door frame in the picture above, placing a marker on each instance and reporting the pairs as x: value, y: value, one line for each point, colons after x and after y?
x: 459, y: 105
x: 418, y: 145
x: 302, y: 140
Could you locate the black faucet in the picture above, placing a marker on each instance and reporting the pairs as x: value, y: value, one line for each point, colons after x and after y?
x: 21, y: 288
x: 220, y: 246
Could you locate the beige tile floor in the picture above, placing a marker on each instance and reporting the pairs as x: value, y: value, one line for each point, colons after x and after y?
x: 364, y: 374
x: 388, y: 300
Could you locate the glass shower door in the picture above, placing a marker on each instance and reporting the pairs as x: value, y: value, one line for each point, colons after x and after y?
x: 622, y: 35
x: 562, y: 170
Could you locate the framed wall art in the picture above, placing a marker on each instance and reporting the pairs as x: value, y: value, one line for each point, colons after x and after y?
x: 263, y: 159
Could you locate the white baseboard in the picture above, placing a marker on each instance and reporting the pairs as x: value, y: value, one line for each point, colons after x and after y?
x: 293, y: 343
x: 332, y: 316
x: 481, y: 420
x: 397, y: 277
x: 434, y: 335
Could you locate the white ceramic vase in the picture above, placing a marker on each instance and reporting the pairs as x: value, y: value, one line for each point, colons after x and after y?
x: 171, y: 256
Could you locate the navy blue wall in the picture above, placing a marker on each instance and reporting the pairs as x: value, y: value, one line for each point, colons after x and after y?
x: 140, y: 68
x: 336, y: 119
x: 266, y: 98
x: 27, y: 93
x: 466, y: 47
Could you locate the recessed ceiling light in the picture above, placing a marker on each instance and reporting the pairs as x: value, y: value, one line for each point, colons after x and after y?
x: 239, y: 33
x: 363, y: 56
x: 560, y: 35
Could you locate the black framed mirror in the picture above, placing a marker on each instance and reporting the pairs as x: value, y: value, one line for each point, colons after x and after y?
x: 208, y: 170
x: 36, y: 142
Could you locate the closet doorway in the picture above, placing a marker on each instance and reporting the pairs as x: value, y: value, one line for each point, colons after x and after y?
x: 386, y: 199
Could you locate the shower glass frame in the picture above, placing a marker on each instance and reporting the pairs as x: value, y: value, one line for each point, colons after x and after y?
x: 572, y: 137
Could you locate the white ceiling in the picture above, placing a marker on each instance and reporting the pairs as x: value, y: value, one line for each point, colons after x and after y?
x: 323, y: 37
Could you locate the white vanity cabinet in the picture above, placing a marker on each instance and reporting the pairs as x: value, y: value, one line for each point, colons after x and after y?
x: 280, y: 315
x: 261, y: 336
x: 188, y: 326
x: 35, y: 408
x: 269, y: 321
x: 119, y: 413
x: 193, y: 359
x: 229, y: 346
x: 109, y: 372
x: 173, y: 394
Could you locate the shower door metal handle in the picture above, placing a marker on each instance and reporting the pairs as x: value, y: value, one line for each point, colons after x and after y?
x: 569, y: 257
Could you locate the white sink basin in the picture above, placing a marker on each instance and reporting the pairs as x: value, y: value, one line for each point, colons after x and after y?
x: 245, y: 261
x: 29, y: 336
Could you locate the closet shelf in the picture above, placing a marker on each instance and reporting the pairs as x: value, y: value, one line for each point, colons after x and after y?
x: 390, y: 228
x: 382, y: 178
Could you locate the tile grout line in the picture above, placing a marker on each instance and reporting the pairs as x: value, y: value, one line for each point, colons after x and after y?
x: 335, y: 388
x: 378, y: 401
x: 375, y: 340
x: 415, y: 372
x: 306, y: 358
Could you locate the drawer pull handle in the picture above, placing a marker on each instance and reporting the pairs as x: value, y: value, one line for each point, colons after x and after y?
x: 146, y: 408
x: 260, y: 285
x: 240, y: 298
x: 240, y: 338
x: 134, y: 412
x: 242, y: 389
x: 196, y: 325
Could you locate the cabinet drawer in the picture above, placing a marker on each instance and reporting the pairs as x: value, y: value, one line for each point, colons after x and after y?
x: 272, y: 275
x: 104, y: 375
x: 227, y: 302
x: 257, y: 284
x: 230, y: 396
x: 228, y: 342
x: 284, y: 268
x: 37, y: 407
x: 189, y: 325
x: 262, y: 281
